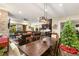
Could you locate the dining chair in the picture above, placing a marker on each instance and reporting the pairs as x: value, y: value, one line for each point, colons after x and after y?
x: 13, y: 50
x: 54, y: 45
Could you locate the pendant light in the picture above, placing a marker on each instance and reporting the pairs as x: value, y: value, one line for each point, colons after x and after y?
x: 44, y: 17
x: 45, y: 11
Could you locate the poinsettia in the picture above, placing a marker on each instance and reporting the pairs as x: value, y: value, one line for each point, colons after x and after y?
x: 3, y: 41
x: 69, y: 49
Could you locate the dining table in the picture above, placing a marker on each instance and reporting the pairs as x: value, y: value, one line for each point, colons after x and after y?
x: 36, y: 48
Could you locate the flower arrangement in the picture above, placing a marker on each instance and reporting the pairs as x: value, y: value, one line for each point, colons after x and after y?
x: 3, y: 44
x: 69, y: 49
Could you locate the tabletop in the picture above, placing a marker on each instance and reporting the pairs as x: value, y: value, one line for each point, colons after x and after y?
x: 36, y: 48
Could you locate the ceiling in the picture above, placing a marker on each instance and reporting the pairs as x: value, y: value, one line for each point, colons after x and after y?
x: 33, y: 11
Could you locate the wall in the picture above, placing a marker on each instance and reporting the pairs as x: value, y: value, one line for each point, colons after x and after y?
x: 58, y: 21
x: 4, y: 22
x: 56, y: 26
x: 17, y: 21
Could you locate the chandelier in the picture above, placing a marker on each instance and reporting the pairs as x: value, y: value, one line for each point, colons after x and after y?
x: 44, y: 17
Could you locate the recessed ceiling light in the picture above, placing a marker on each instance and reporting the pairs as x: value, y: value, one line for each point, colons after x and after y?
x: 12, y: 21
x: 46, y: 10
x: 61, y: 5
x: 20, y: 12
x: 25, y: 21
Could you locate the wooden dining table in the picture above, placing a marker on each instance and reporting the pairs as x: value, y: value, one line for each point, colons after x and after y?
x: 36, y: 48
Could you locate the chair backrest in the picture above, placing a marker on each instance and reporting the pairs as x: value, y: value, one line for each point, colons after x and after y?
x: 55, y: 36
x: 13, y: 50
x: 55, y: 39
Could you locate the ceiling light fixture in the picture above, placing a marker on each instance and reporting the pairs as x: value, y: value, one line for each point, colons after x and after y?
x: 61, y: 5
x: 44, y: 17
x: 12, y: 21
x: 45, y: 10
x: 24, y: 21
x: 20, y: 12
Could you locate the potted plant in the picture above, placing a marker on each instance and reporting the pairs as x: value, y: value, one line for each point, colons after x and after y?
x: 2, y: 50
x: 3, y: 43
x: 69, y: 40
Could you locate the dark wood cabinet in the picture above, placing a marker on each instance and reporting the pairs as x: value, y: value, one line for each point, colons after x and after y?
x: 24, y: 28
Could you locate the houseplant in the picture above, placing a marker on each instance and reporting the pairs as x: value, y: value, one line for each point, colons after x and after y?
x: 69, y: 40
x: 3, y: 43
x: 2, y: 50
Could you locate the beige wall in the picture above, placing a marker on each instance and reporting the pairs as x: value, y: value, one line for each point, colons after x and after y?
x: 4, y: 22
x: 58, y: 21
x: 57, y: 29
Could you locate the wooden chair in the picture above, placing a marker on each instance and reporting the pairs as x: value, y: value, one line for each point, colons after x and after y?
x: 54, y: 45
x: 29, y: 36
x: 37, y: 35
x: 13, y: 50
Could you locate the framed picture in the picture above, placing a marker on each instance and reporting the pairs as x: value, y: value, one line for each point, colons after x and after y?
x: 55, y: 26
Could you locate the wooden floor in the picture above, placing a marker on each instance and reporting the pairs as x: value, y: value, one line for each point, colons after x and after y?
x: 47, y: 53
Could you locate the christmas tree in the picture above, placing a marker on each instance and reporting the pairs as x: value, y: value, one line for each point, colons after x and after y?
x: 69, y: 36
